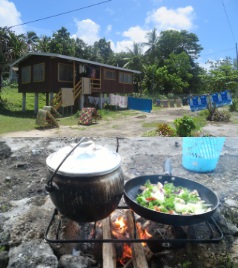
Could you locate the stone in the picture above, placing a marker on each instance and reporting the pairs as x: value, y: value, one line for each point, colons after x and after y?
x: 35, y: 253
x: 5, y: 150
x: 232, y: 203
x: 69, y: 261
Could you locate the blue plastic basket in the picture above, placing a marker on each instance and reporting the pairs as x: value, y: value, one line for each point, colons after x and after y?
x: 201, y: 154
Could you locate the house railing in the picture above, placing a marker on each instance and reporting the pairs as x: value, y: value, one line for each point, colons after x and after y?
x: 77, y: 89
x: 57, y: 100
x: 95, y: 85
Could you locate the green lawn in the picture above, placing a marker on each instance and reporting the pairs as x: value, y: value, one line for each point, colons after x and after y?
x: 13, y: 119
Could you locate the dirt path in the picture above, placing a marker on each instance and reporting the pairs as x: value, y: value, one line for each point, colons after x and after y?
x: 129, y: 126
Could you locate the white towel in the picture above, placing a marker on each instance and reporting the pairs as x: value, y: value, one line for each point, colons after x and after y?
x: 67, y: 97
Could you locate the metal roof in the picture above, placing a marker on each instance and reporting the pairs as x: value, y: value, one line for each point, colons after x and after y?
x: 70, y: 59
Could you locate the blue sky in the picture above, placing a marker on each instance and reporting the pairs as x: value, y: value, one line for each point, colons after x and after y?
x: 126, y: 21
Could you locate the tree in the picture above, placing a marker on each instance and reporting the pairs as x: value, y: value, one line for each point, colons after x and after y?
x: 161, y: 81
x: 81, y: 49
x: 4, y: 43
x: 119, y: 59
x: 17, y: 46
x: 102, y: 51
x: 61, y: 43
x: 172, y: 41
x: 222, y: 75
x: 43, y: 44
x: 179, y: 64
x: 135, y: 58
x: 153, y: 39
x: 31, y: 40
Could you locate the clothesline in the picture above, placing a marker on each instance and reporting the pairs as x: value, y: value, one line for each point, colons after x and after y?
x: 115, y: 100
x: 216, y: 99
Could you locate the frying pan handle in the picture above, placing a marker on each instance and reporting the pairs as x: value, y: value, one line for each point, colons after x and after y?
x: 167, y: 167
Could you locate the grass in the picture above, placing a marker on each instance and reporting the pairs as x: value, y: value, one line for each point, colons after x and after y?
x: 199, y: 121
x: 12, y: 118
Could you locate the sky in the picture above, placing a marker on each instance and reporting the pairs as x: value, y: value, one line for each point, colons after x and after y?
x: 123, y: 22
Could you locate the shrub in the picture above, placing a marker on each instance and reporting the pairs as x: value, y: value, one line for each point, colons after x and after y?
x: 221, y: 116
x: 166, y: 130
x: 234, y: 106
x: 171, y: 96
x: 184, y: 126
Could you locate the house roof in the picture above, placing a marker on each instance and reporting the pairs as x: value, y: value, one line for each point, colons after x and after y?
x: 14, y: 64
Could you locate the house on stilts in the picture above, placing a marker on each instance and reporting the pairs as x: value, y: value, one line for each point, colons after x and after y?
x: 60, y: 77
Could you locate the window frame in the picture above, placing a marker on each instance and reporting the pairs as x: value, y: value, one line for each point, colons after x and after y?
x: 111, y: 71
x: 69, y: 65
x: 125, y: 81
x: 43, y: 74
x: 28, y: 69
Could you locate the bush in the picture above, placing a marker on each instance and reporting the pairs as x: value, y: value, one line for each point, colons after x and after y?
x: 171, y: 96
x: 166, y: 130
x: 184, y: 126
x: 234, y: 106
x: 221, y: 116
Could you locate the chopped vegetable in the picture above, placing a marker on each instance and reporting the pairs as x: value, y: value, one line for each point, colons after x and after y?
x: 170, y: 199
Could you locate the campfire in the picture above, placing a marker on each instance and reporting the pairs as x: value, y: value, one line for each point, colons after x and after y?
x: 128, y: 240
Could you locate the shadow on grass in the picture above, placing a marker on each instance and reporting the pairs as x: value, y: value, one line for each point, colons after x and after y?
x: 18, y: 114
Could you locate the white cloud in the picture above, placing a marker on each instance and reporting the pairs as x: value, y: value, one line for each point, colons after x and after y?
x: 179, y: 19
x: 136, y: 34
x: 121, y: 45
x: 161, y: 19
x: 88, y: 31
x: 10, y: 16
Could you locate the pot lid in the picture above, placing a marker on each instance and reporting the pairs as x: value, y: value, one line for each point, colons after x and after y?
x: 87, y: 159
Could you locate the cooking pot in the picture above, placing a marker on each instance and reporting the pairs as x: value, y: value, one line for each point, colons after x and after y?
x: 132, y: 189
x: 85, y: 181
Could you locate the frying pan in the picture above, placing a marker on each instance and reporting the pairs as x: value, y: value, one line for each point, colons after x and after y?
x: 132, y: 189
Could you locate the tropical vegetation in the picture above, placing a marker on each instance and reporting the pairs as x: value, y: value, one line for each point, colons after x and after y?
x: 167, y: 61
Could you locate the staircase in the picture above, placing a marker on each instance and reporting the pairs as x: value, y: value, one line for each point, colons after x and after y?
x: 57, y: 100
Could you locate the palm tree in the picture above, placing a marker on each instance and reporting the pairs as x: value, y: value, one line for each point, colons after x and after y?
x: 43, y: 44
x: 153, y: 39
x: 135, y: 58
x: 31, y: 39
x: 4, y: 42
x: 17, y: 46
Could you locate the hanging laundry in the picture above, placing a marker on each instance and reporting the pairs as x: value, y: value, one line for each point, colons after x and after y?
x: 112, y: 99
x: 67, y: 97
x: 81, y: 69
x: 93, y: 73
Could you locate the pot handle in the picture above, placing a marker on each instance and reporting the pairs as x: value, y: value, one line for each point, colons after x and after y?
x: 168, y: 167
x: 52, y: 186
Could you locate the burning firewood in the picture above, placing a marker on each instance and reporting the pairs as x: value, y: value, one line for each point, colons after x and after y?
x: 138, y: 256
x: 109, y: 253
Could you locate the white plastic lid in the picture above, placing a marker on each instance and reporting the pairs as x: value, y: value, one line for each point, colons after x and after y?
x: 87, y: 160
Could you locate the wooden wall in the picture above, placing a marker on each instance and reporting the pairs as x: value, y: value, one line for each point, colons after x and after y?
x: 51, y: 83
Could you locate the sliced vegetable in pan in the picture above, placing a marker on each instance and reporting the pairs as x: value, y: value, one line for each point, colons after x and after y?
x: 170, y: 199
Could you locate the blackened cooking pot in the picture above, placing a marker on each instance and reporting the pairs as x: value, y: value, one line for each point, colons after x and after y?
x: 89, y: 183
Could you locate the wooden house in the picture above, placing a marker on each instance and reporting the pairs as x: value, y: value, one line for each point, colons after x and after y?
x: 58, y: 76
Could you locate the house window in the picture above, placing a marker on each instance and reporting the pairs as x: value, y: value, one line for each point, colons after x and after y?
x: 39, y: 72
x: 125, y: 78
x: 26, y: 75
x: 65, y: 72
x: 109, y: 74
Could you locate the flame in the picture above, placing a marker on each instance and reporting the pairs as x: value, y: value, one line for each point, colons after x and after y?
x: 127, y: 254
x: 120, y: 223
x: 143, y: 233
